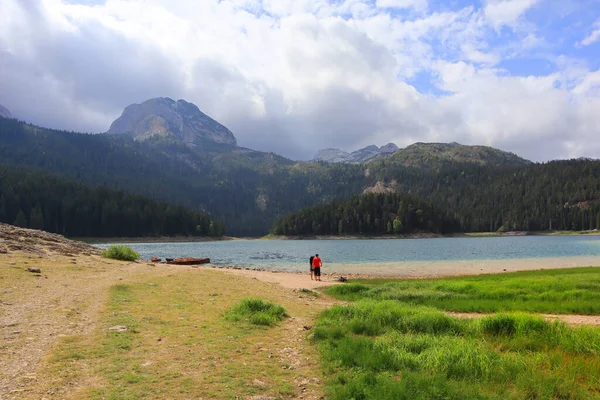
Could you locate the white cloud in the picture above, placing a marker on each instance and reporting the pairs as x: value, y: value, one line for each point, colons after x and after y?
x: 414, y: 4
x: 506, y: 12
x: 592, y: 37
x: 295, y: 76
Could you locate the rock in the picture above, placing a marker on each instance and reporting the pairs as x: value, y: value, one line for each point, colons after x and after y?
x: 41, y: 243
x: 342, y: 279
x: 155, y: 259
x: 258, y: 382
x: 4, y: 112
x: 118, y: 328
x: 358, y: 156
x: 188, y: 261
x: 3, y: 250
x: 34, y: 270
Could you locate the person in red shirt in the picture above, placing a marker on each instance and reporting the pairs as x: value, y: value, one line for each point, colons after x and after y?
x: 317, y: 264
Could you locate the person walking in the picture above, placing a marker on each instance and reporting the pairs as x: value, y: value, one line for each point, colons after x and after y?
x: 310, y: 262
x: 317, y: 264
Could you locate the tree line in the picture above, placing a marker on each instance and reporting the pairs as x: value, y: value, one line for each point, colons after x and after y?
x: 369, y: 214
x: 32, y: 199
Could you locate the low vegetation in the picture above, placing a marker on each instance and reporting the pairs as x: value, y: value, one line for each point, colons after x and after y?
x: 389, y: 350
x: 394, y: 342
x: 257, y: 312
x: 563, y: 291
x: 121, y: 252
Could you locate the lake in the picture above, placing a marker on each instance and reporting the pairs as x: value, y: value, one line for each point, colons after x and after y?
x: 385, y: 256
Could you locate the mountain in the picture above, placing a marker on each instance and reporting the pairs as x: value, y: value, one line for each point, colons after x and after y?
x: 481, y: 187
x: 167, y: 118
x: 433, y: 154
x: 332, y: 155
x: 358, y: 156
x: 4, y: 113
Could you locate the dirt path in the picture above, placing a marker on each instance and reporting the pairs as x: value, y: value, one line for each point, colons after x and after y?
x: 289, y: 280
x: 36, y: 310
x: 569, y: 319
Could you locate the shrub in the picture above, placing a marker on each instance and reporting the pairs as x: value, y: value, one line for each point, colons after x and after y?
x: 121, y: 252
x: 257, y: 312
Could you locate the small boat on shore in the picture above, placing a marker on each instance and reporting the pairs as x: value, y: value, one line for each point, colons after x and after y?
x: 187, y: 261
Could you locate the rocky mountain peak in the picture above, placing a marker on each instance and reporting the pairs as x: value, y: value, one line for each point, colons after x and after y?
x: 358, y: 156
x: 389, y: 148
x: 4, y: 112
x: 166, y: 117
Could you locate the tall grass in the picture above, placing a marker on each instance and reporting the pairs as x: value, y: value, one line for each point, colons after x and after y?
x: 257, y: 312
x: 386, y: 349
x: 121, y: 252
x: 565, y: 291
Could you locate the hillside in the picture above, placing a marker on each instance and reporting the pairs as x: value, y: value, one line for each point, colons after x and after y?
x: 432, y: 155
x: 31, y: 199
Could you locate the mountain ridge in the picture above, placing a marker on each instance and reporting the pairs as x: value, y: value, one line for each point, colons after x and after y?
x: 361, y: 155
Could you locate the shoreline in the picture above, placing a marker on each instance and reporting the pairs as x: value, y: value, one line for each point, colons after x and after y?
x: 430, y: 235
x: 427, y: 269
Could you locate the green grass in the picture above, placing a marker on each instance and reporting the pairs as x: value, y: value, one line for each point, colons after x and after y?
x: 121, y: 252
x: 563, y: 291
x: 257, y: 312
x: 389, y: 350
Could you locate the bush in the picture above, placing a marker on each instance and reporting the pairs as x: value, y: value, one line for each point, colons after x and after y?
x: 121, y: 252
x: 257, y: 312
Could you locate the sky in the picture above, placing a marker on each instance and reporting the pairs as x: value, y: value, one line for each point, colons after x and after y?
x: 295, y: 76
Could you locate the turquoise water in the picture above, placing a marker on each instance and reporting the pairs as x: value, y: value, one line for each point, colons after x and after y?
x: 292, y: 255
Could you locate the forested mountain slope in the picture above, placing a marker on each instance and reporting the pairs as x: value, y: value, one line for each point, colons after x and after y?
x: 369, y: 214
x: 244, y: 188
x: 30, y: 198
x: 483, y: 188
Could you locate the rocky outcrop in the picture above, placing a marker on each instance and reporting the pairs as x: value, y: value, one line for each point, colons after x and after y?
x: 389, y: 148
x: 13, y: 238
x: 4, y: 113
x: 358, y: 156
x: 179, y: 120
x: 332, y: 155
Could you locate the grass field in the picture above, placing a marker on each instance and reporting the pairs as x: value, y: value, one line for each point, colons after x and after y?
x: 393, y: 342
x: 563, y: 291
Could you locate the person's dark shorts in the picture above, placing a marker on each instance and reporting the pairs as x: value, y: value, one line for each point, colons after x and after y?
x: 317, y: 271
x: 311, y: 268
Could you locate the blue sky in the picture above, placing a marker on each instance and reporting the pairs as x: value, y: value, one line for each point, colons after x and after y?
x: 294, y: 76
